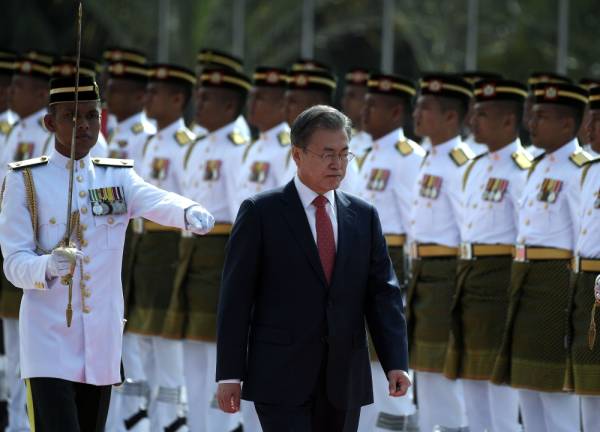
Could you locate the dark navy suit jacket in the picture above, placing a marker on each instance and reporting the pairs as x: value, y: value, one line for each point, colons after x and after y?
x: 278, y: 318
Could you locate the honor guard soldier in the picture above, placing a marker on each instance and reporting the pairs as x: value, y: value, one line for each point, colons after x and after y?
x: 582, y: 136
x: 263, y: 165
x: 353, y: 102
x: 434, y: 230
x: 125, y: 96
x: 211, y: 168
x: 156, y: 255
x: 386, y: 180
x: 28, y: 97
x: 70, y: 362
x: 66, y: 67
x: 306, y: 88
x: 472, y: 77
x: 491, y: 189
x: 536, y: 78
x: 7, y: 116
x: 584, y: 352
x: 110, y: 55
x: 532, y: 353
x: 215, y: 59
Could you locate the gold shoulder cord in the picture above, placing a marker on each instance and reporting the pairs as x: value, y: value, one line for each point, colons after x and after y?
x: 75, y: 226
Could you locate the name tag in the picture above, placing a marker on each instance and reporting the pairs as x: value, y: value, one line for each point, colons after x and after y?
x: 108, y: 201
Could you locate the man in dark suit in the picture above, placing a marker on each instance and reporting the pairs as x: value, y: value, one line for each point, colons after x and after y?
x: 306, y: 266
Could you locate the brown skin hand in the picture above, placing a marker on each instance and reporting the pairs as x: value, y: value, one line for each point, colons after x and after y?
x: 60, y: 122
x: 431, y: 121
x: 265, y: 108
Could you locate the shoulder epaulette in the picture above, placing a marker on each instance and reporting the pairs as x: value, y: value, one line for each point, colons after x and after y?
x: 284, y: 138
x: 148, y: 139
x: 137, y: 128
x: 580, y: 157
x: 184, y: 137
x: 522, y: 158
x: 461, y: 155
x: 586, y: 168
x: 406, y: 147
x: 470, y: 168
x: 29, y: 163
x: 5, y: 127
x: 237, y: 138
x: 110, y: 162
x: 360, y: 160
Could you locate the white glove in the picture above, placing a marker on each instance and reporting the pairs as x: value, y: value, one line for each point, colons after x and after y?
x: 199, y: 220
x: 62, y: 261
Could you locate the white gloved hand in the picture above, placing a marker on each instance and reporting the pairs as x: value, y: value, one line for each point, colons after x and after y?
x: 62, y: 261
x: 199, y: 220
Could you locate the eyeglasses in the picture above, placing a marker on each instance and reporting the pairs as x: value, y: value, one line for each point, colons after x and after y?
x: 329, y: 157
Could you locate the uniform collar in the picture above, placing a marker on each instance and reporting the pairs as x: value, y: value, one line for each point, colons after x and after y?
x: 271, y: 134
x: 444, y: 148
x: 172, y: 128
x: 307, y: 195
x: 505, y: 153
x: 130, y: 121
x: 64, y: 162
x: 390, y: 139
x: 564, y: 152
x: 221, y: 134
x: 36, y: 117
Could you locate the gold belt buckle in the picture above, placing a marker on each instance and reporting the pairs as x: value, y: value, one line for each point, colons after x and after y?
x: 138, y: 225
x: 466, y: 251
x: 520, y: 253
x: 576, y: 264
x: 414, y: 250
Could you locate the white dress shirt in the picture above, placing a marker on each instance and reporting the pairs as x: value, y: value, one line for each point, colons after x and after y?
x: 551, y: 220
x: 307, y: 196
x: 90, y: 350
x: 490, y: 198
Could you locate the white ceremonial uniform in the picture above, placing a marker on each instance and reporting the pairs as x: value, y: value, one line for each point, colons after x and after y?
x: 162, y: 166
x: 126, y: 141
x: 360, y: 142
x: 199, y: 131
x: 212, y: 168
x: 386, y: 180
x: 90, y: 350
x: 27, y: 140
x: 551, y: 223
x: 436, y: 220
x: 263, y: 165
x: 241, y: 125
x: 476, y: 147
x: 588, y: 246
x: 7, y: 121
x: 492, y: 220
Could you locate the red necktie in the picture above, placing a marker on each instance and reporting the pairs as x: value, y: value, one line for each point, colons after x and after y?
x: 325, y: 239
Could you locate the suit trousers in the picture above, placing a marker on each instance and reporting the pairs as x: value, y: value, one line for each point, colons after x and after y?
x: 55, y: 405
x: 316, y: 415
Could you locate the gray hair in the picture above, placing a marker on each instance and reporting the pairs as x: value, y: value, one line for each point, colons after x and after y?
x: 318, y: 117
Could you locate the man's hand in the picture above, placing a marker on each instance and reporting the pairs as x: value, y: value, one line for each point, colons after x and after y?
x: 199, y: 220
x: 228, y: 395
x: 62, y: 261
x: 399, y: 382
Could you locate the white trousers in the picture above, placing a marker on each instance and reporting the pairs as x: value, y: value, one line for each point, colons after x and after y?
x: 441, y: 401
x: 200, y: 366
x: 383, y: 402
x: 491, y: 408
x: 17, y: 414
x: 123, y: 404
x: 549, y: 412
x: 162, y: 361
x: 590, y: 413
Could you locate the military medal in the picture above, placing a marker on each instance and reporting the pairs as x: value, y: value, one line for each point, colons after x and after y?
x: 495, y: 190
x: 212, y: 171
x: 378, y: 179
x: 160, y: 168
x: 549, y: 190
x: 108, y: 200
x: 259, y: 172
x: 24, y: 151
x: 430, y: 186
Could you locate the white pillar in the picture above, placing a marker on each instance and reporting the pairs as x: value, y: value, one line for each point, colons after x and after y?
x: 387, y: 36
x: 472, y: 35
x: 307, y: 47
x: 164, y: 7
x: 239, y: 21
x: 563, y: 36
